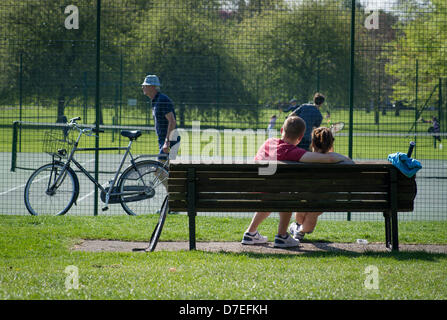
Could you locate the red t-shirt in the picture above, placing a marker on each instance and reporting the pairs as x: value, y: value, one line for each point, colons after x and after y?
x: 277, y: 149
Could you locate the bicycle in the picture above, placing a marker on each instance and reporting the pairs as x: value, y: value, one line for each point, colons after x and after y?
x: 141, y: 188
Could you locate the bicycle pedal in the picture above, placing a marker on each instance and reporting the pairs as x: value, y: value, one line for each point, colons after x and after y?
x: 105, y: 208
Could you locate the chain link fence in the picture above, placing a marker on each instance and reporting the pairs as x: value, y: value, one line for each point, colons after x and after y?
x: 231, y: 65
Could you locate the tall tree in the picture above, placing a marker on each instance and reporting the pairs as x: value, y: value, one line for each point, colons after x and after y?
x: 299, y: 46
x: 184, y: 43
x: 422, y: 36
x: 55, y: 57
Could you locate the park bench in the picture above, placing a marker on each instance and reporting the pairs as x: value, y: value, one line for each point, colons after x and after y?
x: 238, y: 187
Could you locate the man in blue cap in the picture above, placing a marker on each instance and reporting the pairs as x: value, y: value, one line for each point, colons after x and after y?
x: 164, y: 116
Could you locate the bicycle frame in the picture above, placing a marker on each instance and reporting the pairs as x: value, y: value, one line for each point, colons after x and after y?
x: 89, y: 176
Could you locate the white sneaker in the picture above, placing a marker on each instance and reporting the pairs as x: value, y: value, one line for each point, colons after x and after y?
x: 254, y: 238
x: 287, y: 242
x: 295, y: 231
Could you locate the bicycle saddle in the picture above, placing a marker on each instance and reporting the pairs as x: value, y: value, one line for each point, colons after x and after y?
x: 132, y: 135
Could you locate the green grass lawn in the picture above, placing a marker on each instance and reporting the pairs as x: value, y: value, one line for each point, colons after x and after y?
x: 35, y: 251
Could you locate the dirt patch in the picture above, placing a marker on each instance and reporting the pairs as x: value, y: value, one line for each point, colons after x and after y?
x: 127, y: 246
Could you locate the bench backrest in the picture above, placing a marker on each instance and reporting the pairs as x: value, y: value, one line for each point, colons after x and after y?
x: 360, y: 187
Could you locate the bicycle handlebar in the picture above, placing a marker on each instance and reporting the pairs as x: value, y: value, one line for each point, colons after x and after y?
x: 85, y: 131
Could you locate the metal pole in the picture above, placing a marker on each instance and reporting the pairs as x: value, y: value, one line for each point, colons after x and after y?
x: 440, y: 103
x: 351, y: 83
x: 351, y: 86
x: 97, y: 98
x: 121, y: 98
x: 85, y: 97
x: 443, y: 122
x: 15, y: 126
x: 218, y: 93
x: 416, y: 116
x: 318, y: 74
x: 20, y: 98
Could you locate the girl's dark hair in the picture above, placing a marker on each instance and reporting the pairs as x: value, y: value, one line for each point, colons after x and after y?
x: 318, y: 98
x: 322, y: 139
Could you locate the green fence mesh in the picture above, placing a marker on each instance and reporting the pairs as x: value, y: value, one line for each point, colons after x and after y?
x: 230, y: 65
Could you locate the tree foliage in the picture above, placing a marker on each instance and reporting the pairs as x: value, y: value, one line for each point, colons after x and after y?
x: 299, y: 47
x: 54, y: 58
x: 216, y: 56
x: 421, y: 37
x: 188, y: 52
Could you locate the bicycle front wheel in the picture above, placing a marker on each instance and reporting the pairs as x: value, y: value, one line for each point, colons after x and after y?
x: 143, y: 187
x: 42, y: 197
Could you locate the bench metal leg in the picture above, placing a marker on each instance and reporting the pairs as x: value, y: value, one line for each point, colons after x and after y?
x: 192, y: 230
x: 393, y: 209
x: 387, y: 216
x: 191, y: 187
x: 395, y: 231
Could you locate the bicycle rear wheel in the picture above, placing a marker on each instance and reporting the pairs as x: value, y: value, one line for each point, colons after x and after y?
x: 40, y: 200
x: 143, y: 187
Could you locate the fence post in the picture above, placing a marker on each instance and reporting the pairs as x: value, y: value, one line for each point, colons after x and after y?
x: 20, y: 96
x: 15, y: 126
x: 351, y: 82
x: 416, y: 116
x: 318, y: 74
x: 97, y: 97
x: 440, y: 116
x: 218, y: 93
x: 443, y: 103
x: 351, y: 85
x: 120, y: 90
x: 85, y: 91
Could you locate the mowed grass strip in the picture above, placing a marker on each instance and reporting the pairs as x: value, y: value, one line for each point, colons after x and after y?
x: 35, y: 252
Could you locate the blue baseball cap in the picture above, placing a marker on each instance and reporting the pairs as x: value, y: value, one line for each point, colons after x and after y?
x: 151, y: 80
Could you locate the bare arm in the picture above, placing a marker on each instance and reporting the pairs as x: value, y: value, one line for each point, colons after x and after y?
x: 171, y: 126
x: 330, y: 157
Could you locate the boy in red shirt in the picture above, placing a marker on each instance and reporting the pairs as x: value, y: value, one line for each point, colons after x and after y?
x: 285, y: 149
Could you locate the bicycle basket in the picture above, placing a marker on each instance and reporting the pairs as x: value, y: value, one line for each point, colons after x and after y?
x: 57, y: 142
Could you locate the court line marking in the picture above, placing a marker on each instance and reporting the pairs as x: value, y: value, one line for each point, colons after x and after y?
x: 88, y: 194
x: 23, y: 185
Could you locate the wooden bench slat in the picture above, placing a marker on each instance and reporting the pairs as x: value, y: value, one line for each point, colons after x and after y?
x: 401, y: 182
x: 293, y: 196
x: 280, y: 165
x: 287, y: 182
x: 306, y: 188
x: 328, y: 174
x: 290, y: 175
x: 247, y: 206
x: 275, y: 188
x: 287, y: 196
x: 251, y: 187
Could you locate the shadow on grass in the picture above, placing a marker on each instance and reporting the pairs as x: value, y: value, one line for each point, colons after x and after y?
x: 401, y: 256
x: 328, y: 250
